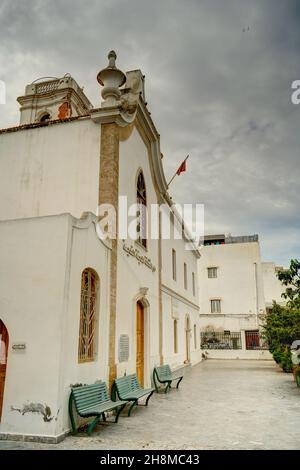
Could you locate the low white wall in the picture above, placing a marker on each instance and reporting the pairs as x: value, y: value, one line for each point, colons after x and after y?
x: 237, y: 354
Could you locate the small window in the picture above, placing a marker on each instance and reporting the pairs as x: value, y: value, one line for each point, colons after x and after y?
x: 212, y: 272
x: 194, y: 285
x: 175, y: 337
x: 174, y: 265
x: 88, y: 315
x: 45, y: 118
x: 185, y: 276
x: 195, y: 336
x: 215, y: 306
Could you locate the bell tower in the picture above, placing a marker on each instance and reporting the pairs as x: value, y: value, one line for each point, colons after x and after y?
x: 51, y: 98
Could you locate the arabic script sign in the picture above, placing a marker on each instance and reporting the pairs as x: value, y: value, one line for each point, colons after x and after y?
x: 130, y: 250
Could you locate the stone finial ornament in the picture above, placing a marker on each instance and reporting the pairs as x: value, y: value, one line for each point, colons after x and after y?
x: 111, y: 78
x: 119, y: 105
x: 112, y: 56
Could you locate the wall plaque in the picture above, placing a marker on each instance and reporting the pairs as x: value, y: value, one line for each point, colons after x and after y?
x: 123, y: 348
x: 18, y: 346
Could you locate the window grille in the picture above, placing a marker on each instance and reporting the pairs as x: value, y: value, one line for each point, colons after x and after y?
x: 88, y: 315
x: 219, y: 340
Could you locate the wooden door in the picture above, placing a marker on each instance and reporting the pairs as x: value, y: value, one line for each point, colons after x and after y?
x: 252, y: 339
x: 140, y: 343
x: 3, y: 360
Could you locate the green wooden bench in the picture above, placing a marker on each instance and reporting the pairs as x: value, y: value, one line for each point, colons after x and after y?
x: 128, y: 388
x: 164, y: 375
x: 92, y: 400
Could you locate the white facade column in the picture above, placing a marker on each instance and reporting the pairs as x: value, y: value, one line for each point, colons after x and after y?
x: 243, y: 340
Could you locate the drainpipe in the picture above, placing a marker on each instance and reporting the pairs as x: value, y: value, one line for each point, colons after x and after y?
x: 256, y: 293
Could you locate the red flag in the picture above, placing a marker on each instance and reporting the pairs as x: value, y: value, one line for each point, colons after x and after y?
x: 182, y: 168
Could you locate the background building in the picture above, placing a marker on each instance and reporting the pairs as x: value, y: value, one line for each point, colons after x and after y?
x: 272, y: 286
x: 233, y: 285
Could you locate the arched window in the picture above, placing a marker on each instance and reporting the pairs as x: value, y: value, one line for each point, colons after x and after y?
x: 88, y: 315
x: 3, y: 360
x: 142, y: 210
x: 45, y: 117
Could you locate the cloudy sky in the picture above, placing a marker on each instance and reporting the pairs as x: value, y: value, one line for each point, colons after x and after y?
x: 218, y: 84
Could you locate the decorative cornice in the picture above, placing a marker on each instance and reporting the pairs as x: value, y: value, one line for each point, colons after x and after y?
x: 144, y: 120
x: 81, y: 97
x: 179, y: 297
x: 50, y: 123
x: 109, y: 115
x: 230, y: 315
x: 56, y: 98
x: 85, y: 221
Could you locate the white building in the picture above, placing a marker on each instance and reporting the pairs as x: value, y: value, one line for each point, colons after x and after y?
x: 75, y: 308
x: 233, y: 287
x: 273, y: 288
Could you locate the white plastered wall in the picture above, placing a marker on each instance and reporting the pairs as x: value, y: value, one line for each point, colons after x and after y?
x: 132, y: 275
x: 272, y: 286
x: 40, y: 281
x: 32, y: 277
x: 85, y: 250
x: 180, y: 303
x: 39, y: 179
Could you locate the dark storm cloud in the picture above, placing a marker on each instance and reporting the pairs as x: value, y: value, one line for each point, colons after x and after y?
x: 219, y: 76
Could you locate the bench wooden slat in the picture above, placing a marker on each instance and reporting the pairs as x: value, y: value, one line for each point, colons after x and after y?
x: 107, y: 406
x: 92, y: 400
x: 164, y: 375
x: 128, y: 388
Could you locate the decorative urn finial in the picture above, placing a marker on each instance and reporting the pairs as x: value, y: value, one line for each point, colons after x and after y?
x: 111, y: 78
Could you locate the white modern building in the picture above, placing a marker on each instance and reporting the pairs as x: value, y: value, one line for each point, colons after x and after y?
x: 235, y: 288
x: 75, y: 306
x: 273, y: 288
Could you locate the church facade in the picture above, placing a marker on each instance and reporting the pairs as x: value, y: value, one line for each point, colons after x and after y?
x: 80, y: 300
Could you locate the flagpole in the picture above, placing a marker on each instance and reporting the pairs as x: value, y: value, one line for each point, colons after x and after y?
x: 176, y: 172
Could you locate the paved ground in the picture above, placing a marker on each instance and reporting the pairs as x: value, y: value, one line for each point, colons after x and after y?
x: 220, y: 405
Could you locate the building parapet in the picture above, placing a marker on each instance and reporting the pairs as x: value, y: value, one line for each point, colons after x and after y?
x: 225, y: 240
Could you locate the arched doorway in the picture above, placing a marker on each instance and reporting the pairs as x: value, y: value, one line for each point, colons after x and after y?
x: 3, y: 361
x: 140, y: 343
x: 187, y: 338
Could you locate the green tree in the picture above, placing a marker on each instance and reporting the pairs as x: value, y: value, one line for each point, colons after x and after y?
x: 291, y: 278
x: 282, y: 324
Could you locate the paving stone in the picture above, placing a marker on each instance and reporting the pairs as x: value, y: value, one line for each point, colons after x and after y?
x: 219, y: 405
